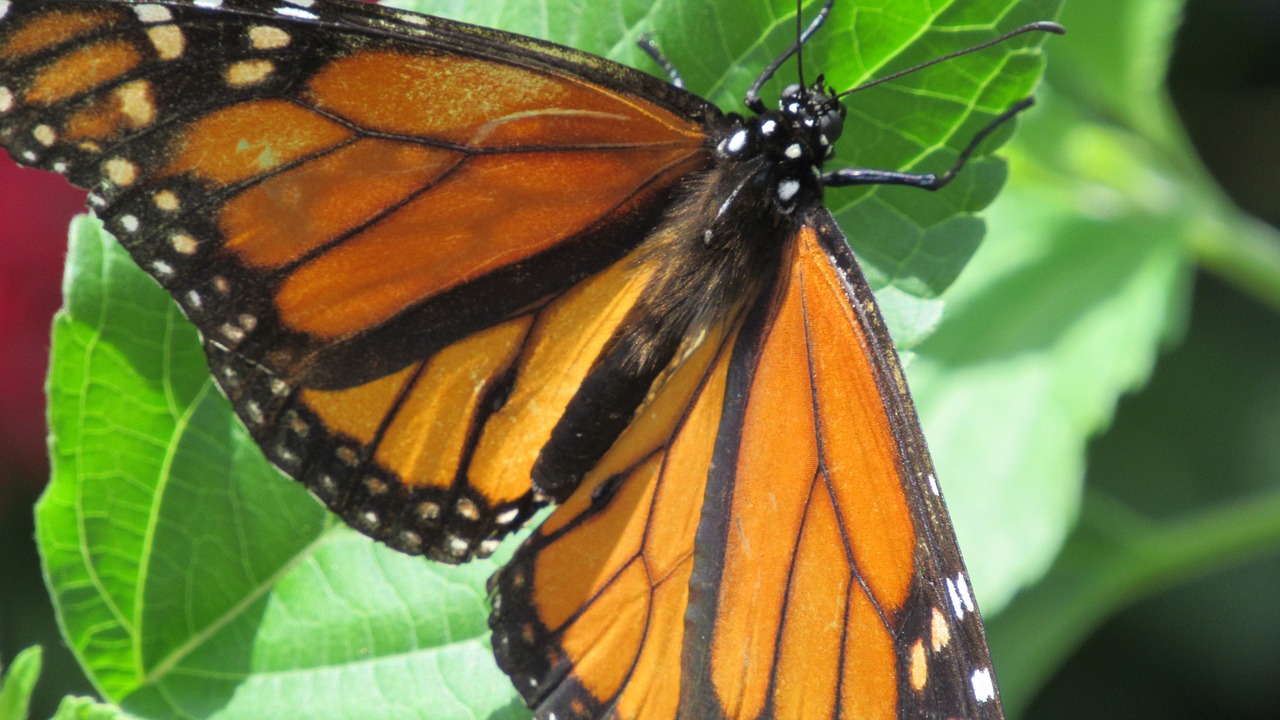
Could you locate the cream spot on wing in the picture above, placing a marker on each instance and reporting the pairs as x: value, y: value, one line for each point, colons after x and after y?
x: 45, y: 135
x: 184, y: 243
x: 249, y: 72
x: 168, y: 41
x: 265, y: 37
x: 120, y: 171
x: 166, y: 200
x: 941, y: 631
x: 918, y: 666
x: 136, y: 103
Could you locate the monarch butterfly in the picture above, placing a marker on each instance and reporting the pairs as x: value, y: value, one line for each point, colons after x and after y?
x: 448, y: 275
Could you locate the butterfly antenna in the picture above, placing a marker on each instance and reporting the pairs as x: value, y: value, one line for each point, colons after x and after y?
x: 752, y: 99
x: 1042, y: 26
x: 799, y: 35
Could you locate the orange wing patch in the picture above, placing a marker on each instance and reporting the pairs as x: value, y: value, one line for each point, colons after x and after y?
x: 614, y: 560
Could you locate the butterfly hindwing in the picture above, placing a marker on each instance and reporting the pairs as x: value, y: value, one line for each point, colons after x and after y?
x: 376, y: 219
x: 785, y: 520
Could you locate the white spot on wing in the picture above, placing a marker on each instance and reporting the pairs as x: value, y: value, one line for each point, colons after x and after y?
x: 933, y: 485
x: 4, y: 8
x: 957, y: 605
x: 984, y: 687
x: 209, y: 3
x: 793, y: 151
x: 6, y: 99
x: 153, y: 13
x: 297, y: 13
x: 962, y: 584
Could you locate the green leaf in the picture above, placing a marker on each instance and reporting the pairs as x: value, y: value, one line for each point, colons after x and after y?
x: 82, y: 708
x: 192, y: 580
x: 18, y: 683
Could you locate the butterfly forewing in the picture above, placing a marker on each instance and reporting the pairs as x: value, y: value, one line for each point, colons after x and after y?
x: 377, y: 224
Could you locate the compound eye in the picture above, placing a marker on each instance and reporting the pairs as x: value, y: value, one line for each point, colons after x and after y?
x: 831, y: 124
x: 790, y: 94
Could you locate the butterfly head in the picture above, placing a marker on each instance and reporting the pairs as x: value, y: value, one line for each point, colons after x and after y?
x: 792, y: 143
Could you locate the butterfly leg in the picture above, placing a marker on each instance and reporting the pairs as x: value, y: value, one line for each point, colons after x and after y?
x: 651, y: 49
x: 928, y: 181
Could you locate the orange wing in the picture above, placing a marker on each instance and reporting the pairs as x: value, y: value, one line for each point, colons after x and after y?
x: 767, y: 541
x: 382, y: 224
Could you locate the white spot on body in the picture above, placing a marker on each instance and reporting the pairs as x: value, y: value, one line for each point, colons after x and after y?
x: 984, y: 687
x: 6, y: 99
x: 303, y: 3
x: 794, y: 108
x: 153, y: 13
x: 249, y: 72
x: 4, y: 8
x: 168, y: 41
x: 265, y: 37
x: 793, y: 151
x: 294, y: 12
x: 129, y: 223
x: 737, y: 142
x: 209, y: 3
x: 768, y: 127
x: 787, y: 190
x: 45, y: 135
